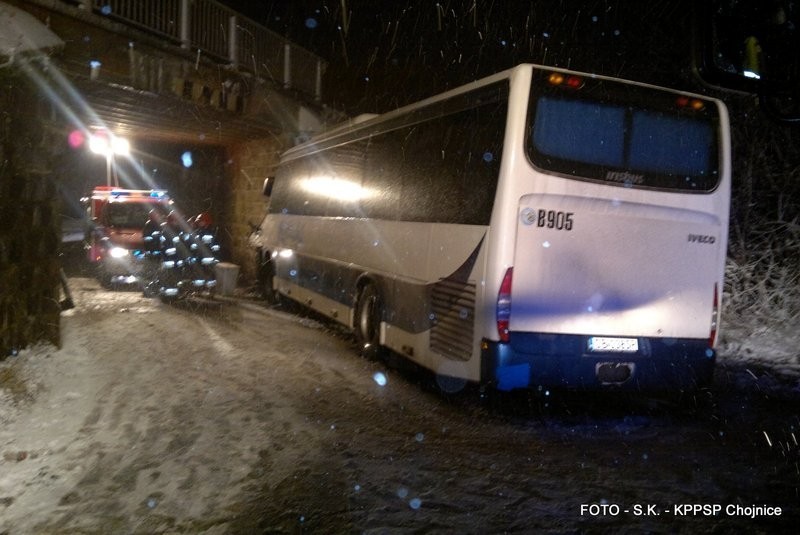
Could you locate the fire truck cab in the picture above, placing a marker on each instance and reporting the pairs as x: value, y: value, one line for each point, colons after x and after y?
x: 114, y: 242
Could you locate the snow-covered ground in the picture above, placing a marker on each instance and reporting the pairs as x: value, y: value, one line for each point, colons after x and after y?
x: 767, y: 350
x: 238, y: 419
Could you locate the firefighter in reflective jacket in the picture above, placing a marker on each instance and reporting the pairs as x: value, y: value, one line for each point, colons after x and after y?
x: 204, y: 251
x: 174, y: 255
x: 151, y: 235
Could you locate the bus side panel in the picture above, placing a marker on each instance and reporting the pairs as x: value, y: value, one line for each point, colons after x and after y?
x: 429, y: 311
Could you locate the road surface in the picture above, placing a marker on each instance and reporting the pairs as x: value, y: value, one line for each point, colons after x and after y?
x: 239, y: 418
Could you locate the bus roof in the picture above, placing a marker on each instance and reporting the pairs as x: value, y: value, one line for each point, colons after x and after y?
x: 366, y: 121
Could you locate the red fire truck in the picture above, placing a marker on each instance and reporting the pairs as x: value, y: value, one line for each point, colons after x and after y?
x: 114, y: 240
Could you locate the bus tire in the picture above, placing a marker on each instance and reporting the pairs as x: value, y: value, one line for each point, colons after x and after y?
x: 369, y: 312
x: 265, y: 276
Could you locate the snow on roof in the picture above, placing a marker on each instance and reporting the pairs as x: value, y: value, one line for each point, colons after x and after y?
x: 21, y: 32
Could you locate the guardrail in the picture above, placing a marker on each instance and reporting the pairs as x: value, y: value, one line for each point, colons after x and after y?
x: 222, y: 33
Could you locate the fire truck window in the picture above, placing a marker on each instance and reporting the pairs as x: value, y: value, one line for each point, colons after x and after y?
x: 127, y: 215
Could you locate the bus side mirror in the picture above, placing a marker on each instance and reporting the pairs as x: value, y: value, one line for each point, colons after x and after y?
x: 752, y: 46
x: 266, y: 190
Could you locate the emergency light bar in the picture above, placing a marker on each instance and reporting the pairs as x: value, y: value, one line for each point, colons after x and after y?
x: 113, y: 192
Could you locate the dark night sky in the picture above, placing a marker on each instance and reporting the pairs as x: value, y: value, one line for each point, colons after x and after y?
x: 385, y: 54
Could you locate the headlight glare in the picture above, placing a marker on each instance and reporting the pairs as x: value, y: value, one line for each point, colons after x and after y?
x: 117, y: 252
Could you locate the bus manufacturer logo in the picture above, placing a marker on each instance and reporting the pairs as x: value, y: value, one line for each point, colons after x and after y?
x: 625, y: 177
x: 701, y: 238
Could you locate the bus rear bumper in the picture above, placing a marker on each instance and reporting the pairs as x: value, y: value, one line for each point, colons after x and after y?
x: 545, y: 361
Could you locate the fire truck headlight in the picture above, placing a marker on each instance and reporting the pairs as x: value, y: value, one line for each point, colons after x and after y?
x: 118, y: 252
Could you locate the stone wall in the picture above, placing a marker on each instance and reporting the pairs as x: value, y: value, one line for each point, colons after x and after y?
x: 29, y: 218
x: 251, y: 163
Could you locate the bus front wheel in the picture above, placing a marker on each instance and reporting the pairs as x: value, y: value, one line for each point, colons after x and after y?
x: 265, y: 276
x: 369, y: 311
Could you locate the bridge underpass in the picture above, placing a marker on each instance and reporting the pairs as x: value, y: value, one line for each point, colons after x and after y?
x: 187, y: 77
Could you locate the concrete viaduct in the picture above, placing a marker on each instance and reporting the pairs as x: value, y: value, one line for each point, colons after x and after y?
x: 170, y: 73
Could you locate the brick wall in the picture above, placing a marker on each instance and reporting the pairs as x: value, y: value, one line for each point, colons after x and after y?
x: 29, y: 219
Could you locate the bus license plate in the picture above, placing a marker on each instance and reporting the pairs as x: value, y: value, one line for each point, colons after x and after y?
x: 602, y: 344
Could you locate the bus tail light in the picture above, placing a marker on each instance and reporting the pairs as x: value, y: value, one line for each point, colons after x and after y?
x: 712, y: 337
x: 566, y: 80
x: 504, y: 306
x: 690, y: 103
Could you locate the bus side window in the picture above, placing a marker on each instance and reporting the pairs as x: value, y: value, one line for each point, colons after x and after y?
x: 347, y: 189
x: 284, y: 200
x: 381, y: 177
x: 479, y: 160
x: 428, y: 189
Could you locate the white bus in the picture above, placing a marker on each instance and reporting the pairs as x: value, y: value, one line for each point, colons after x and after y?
x: 539, y: 228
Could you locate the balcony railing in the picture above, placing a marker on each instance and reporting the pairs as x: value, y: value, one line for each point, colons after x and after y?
x: 222, y: 33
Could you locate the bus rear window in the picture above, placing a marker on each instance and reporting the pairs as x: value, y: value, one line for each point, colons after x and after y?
x: 670, y: 144
x: 648, y: 142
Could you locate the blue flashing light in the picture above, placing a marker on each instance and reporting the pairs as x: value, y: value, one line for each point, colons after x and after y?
x: 380, y: 379
x: 186, y: 159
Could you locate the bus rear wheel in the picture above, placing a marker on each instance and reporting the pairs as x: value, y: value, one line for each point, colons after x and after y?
x: 369, y: 312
